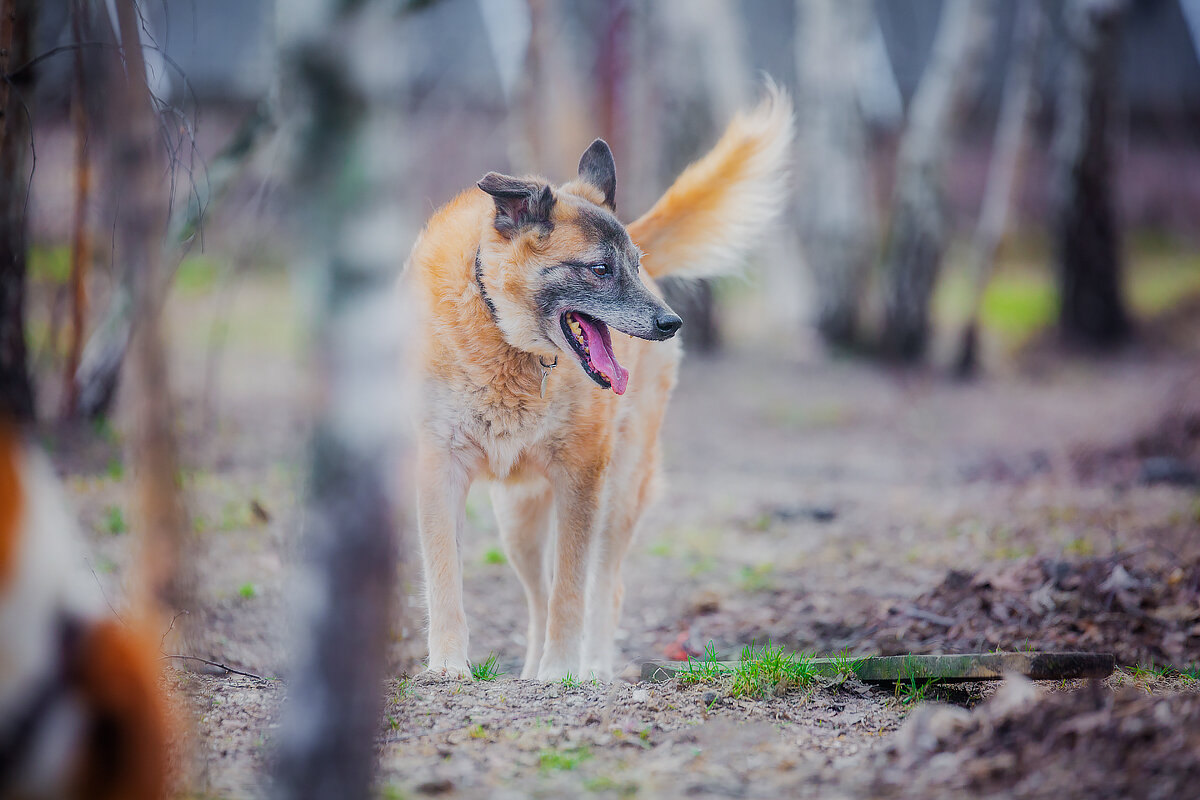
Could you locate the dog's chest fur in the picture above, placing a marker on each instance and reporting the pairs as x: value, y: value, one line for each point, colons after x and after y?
x: 499, y: 422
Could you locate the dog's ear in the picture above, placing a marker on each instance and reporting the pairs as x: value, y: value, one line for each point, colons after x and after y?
x: 596, y: 166
x: 520, y: 204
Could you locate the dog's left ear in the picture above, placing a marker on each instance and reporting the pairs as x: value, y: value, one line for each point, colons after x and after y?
x: 520, y: 204
x: 597, y: 167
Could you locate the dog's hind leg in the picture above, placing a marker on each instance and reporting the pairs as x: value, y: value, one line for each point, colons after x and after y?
x: 441, y: 500
x: 524, y: 513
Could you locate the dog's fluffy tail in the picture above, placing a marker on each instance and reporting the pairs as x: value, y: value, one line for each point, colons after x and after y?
x: 718, y: 206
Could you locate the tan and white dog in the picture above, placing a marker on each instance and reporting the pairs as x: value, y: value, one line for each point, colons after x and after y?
x: 533, y: 301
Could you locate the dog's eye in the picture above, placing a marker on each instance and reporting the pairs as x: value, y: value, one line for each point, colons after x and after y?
x: 601, y: 270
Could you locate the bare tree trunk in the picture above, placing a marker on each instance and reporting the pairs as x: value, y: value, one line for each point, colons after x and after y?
x: 838, y: 226
x: 1087, y: 244
x: 554, y: 122
x: 699, y: 77
x: 17, y: 23
x: 341, y: 67
x: 137, y: 170
x: 81, y: 244
x: 1020, y: 100
x: 612, y: 64
x: 919, y: 228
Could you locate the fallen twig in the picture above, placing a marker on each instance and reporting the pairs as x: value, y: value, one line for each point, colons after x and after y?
x: 219, y: 665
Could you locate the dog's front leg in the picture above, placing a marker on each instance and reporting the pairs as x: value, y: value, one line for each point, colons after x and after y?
x: 441, y: 501
x: 576, y: 500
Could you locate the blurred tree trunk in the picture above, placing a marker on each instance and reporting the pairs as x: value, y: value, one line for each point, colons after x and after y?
x: 136, y: 171
x: 344, y: 76
x: 1087, y: 245
x: 81, y: 242
x: 699, y: 76
x: 17, y: 24
x: 613, y: 67
x: 1016, y: 109
x: 555, y: 124
x: 837, y: 220
x: 919, y: 228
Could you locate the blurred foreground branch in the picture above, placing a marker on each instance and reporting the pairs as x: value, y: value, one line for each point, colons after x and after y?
x: 137, y: 169
x: 100, y: 365
x: 342, y: 72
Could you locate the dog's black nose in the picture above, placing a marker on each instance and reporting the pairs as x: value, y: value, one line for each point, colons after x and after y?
x: 667, y: 324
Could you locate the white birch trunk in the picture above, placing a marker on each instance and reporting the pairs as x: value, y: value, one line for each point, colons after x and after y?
x: 345, y: 77
x: 837, y: 219
x: 1016, y: 109
x: 919, y: 228
x: 695, y: 76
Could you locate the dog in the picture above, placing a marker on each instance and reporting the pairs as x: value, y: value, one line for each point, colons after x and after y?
x: 81, y: 714
x: 544, y: 361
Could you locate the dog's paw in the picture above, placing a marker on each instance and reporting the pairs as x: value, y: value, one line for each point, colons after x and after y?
x: 554, y: 672
x: 448, y: 669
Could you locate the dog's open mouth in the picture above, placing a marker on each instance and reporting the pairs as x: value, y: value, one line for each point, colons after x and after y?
x: 589, y: 336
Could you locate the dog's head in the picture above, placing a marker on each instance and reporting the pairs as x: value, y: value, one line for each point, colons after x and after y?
x: 559, y: 269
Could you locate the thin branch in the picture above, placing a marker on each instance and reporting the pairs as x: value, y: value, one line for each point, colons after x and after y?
x: 103, y: 594
x: 228, y: 669
x: 33, y: 62
x: 170, y: 628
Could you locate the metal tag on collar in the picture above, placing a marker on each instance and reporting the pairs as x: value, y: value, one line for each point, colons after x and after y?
x: 546, y: 374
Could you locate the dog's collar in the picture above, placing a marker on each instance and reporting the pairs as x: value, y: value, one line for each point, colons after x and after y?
x: 491, y: 307
x: 546, y: 373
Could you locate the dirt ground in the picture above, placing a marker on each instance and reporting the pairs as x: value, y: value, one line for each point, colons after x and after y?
x: 819, y: 502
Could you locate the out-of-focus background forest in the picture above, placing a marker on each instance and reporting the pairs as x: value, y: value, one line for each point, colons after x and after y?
x: 952, y: 404
x: 505, y: 86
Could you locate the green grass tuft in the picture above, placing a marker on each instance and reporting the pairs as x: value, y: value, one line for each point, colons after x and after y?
x: 913, y: 686
x: 708, y: 669
x: 487, y: 670
x: 846, y: 665
x: 770, y: 670
x: 494, y: 555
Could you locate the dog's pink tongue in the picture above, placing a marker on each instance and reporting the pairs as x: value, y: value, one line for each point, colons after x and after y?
x: 600, y: 353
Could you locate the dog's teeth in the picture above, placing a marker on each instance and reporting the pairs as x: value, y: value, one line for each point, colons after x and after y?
x: 573, y: 323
